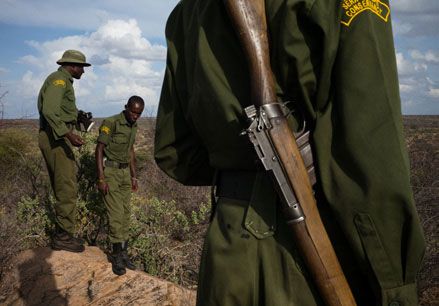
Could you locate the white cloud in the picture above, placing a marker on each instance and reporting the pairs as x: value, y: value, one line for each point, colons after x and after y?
x: 401, y: 27
x: 123, y: 67
x: 405, y: 67
x: 418, y: 82
x: 415, y: 18
x: 410, y: 6
x: 405, y: 88
x: 131, y: 68
x: 428, y: 56
x: 87, y: 15
x: 29, y: 85
x: 122, y: 88
x: 124, y: 39
x: 31, y: 60
x: 119, y: 36
x: 434, y: 92
x: 116, y: 39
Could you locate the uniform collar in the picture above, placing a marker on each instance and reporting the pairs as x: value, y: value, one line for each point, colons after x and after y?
x: 64, y: 71
x: 125, y: 121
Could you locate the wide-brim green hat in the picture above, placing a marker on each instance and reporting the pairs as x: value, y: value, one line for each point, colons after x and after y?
x: 73, y: 57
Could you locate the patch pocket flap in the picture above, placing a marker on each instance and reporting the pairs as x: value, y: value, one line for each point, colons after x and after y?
x: 260, y: 217
x: 379, y: 261
x: 120, y: 139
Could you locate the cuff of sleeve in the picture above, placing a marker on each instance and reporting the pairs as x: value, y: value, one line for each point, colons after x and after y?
x: 60, y: 132
x: 406, y: 295
x: 103, y: 138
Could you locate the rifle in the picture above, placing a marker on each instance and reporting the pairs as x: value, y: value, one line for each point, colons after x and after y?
x: 276, y: 146
x: 84, y: 121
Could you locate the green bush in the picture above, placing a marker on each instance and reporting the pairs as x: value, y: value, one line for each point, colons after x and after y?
x: 162, y: 236
x: 36, y: 221
x: 21, y: 167
x: 165, y: 235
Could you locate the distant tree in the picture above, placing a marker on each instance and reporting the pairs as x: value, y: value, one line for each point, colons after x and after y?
x: 2, y: 104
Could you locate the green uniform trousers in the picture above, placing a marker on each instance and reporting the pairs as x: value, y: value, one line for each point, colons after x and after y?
x: 61, y: 166
x: 117, y: 203
x: 238, y: 269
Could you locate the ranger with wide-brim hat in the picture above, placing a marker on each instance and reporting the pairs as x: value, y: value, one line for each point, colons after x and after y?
x: 73, y: 57
x: 56, y: 140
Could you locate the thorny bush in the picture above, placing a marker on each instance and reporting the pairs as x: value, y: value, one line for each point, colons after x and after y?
x: 164, y: 233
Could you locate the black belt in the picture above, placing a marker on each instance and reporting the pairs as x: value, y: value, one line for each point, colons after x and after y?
x: 235, y: 184
x: 113, y: 164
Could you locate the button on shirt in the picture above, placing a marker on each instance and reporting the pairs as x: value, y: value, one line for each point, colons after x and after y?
x: 118, y: 135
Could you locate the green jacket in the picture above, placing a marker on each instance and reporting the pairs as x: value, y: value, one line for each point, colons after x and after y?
x: 336, y: 61
x: 118, y: 135
x: 56, y: 103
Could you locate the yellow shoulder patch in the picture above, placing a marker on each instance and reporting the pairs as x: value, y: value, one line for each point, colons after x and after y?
x: 105, y: 129
x: 61, y: 83
x: 352, y: 8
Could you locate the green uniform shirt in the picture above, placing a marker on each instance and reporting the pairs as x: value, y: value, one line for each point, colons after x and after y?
x: 56, y: 102
x: 336, y: 61
x: 118, y: 135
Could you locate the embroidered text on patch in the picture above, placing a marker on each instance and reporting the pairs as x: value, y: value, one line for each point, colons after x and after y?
x: 351, y: 8
x: 61, y: 83
x: 105, y: 130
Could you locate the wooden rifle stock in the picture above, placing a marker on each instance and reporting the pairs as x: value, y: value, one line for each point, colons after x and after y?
x: 248, y: 18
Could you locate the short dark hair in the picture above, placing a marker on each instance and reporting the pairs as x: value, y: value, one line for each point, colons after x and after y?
x: 135, y: 99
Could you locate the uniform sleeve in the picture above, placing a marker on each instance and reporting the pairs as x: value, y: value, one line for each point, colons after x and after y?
x: 177, y: 149
x: 51, y: 108
x: 362, y: 155
x: 105, y: 131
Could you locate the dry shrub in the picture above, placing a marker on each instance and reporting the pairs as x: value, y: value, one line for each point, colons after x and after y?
x: 169, y: 219
x: 422, y: 136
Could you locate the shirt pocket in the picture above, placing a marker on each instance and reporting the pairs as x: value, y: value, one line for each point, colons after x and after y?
x: 119, y: 147
x: 120, y: 141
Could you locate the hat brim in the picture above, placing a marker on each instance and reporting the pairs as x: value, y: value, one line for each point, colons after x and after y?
x: 72, y: 61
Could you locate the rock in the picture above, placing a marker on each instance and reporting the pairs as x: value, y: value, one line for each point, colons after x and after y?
x: 45, y: 277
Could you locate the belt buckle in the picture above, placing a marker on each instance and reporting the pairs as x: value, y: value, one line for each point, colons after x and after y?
x: 110, y: 163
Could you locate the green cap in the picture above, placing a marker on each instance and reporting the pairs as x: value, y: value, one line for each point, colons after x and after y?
x: 73, y: 57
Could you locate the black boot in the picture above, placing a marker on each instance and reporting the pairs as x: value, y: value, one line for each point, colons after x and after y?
x: 117, y: 262
x: 63, y: 240
x: 78, y: 240
x: 126, y: 259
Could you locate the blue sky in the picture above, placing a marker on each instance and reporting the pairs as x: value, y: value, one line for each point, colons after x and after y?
x: 124, y: 40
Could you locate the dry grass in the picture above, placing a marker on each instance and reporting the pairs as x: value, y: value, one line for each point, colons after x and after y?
x: 422, y: 136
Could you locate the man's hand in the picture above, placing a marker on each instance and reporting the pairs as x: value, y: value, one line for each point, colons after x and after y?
x: 74, y: 139
x: 103, y: 186
x: 134, y: 184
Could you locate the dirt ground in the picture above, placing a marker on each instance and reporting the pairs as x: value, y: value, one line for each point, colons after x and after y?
x: 422, y: 137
